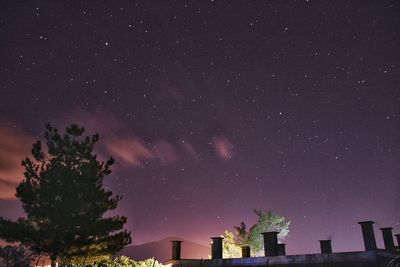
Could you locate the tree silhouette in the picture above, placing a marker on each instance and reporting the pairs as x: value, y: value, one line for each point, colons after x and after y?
x: 15, y: 256
x: 64, y: 199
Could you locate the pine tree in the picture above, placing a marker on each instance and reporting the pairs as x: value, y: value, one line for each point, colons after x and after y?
x: 63, y: 197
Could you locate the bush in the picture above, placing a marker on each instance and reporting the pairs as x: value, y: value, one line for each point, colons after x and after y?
x: 122, y: 261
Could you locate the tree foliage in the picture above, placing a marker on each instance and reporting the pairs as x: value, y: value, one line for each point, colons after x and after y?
x: 63, y: 197
x: 12, y: 256
x: 122, y: 261
x: 83, y: 260
x: 266, y: 221
x: 230, y: 247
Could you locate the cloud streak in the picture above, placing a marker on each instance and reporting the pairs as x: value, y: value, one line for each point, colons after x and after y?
x: 131, y: 150
x: 223, y: 147
x: 14, y: 146
x: 117, y: 140
x: 189, y: 149
x: 165, y: 152
x: 120, y: 141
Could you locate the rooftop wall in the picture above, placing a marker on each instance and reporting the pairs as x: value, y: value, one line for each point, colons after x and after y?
x: 375, y: 258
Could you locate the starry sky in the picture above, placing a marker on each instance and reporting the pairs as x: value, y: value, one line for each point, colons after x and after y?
x: 214, y: 108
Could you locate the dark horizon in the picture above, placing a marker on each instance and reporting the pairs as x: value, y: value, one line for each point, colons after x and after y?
x: 212, y: 109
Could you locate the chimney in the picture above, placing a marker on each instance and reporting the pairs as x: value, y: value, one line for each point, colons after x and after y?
x: 387, y: 237
x: 326, y: 246
x: 245, y: 252
x: 398, y: 239
x: 270, y: 243
x: 216, y: 248
x: 368, y: 235
x: 281, y: 249
x: 176, y: 249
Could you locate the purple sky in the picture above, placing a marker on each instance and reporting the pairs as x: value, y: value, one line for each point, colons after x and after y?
x: 214, y: 108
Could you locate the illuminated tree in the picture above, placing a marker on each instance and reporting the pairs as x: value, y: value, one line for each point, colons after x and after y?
x: 64, y: 199
x: 86, y: 260
x: 267, y: 221
x: 230, y: 247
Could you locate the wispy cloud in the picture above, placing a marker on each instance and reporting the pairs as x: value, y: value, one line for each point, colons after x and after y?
x: 169, y: 92
x: 132, y: 150
x: 223, y: 147
x: 118, y: 140
x: 165, y: 152
x: 188, y: 148
x: 121, y: 142
x: 14, y: 146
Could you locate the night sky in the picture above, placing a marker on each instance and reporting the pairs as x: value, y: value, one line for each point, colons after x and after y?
x: 214, y: 108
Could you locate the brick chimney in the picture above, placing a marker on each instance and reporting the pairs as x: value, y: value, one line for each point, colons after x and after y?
x: 176, y: 249
x: 326, y: 246
x: 398, y: 239
x: 245, y: 252
x: 281, y: 249
x: 368, y: 235
x: 270, y: 243
x: 387, y: 237
x: 216, y: 248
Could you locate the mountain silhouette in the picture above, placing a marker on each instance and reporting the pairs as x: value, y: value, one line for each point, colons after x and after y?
x: 161, y: 250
